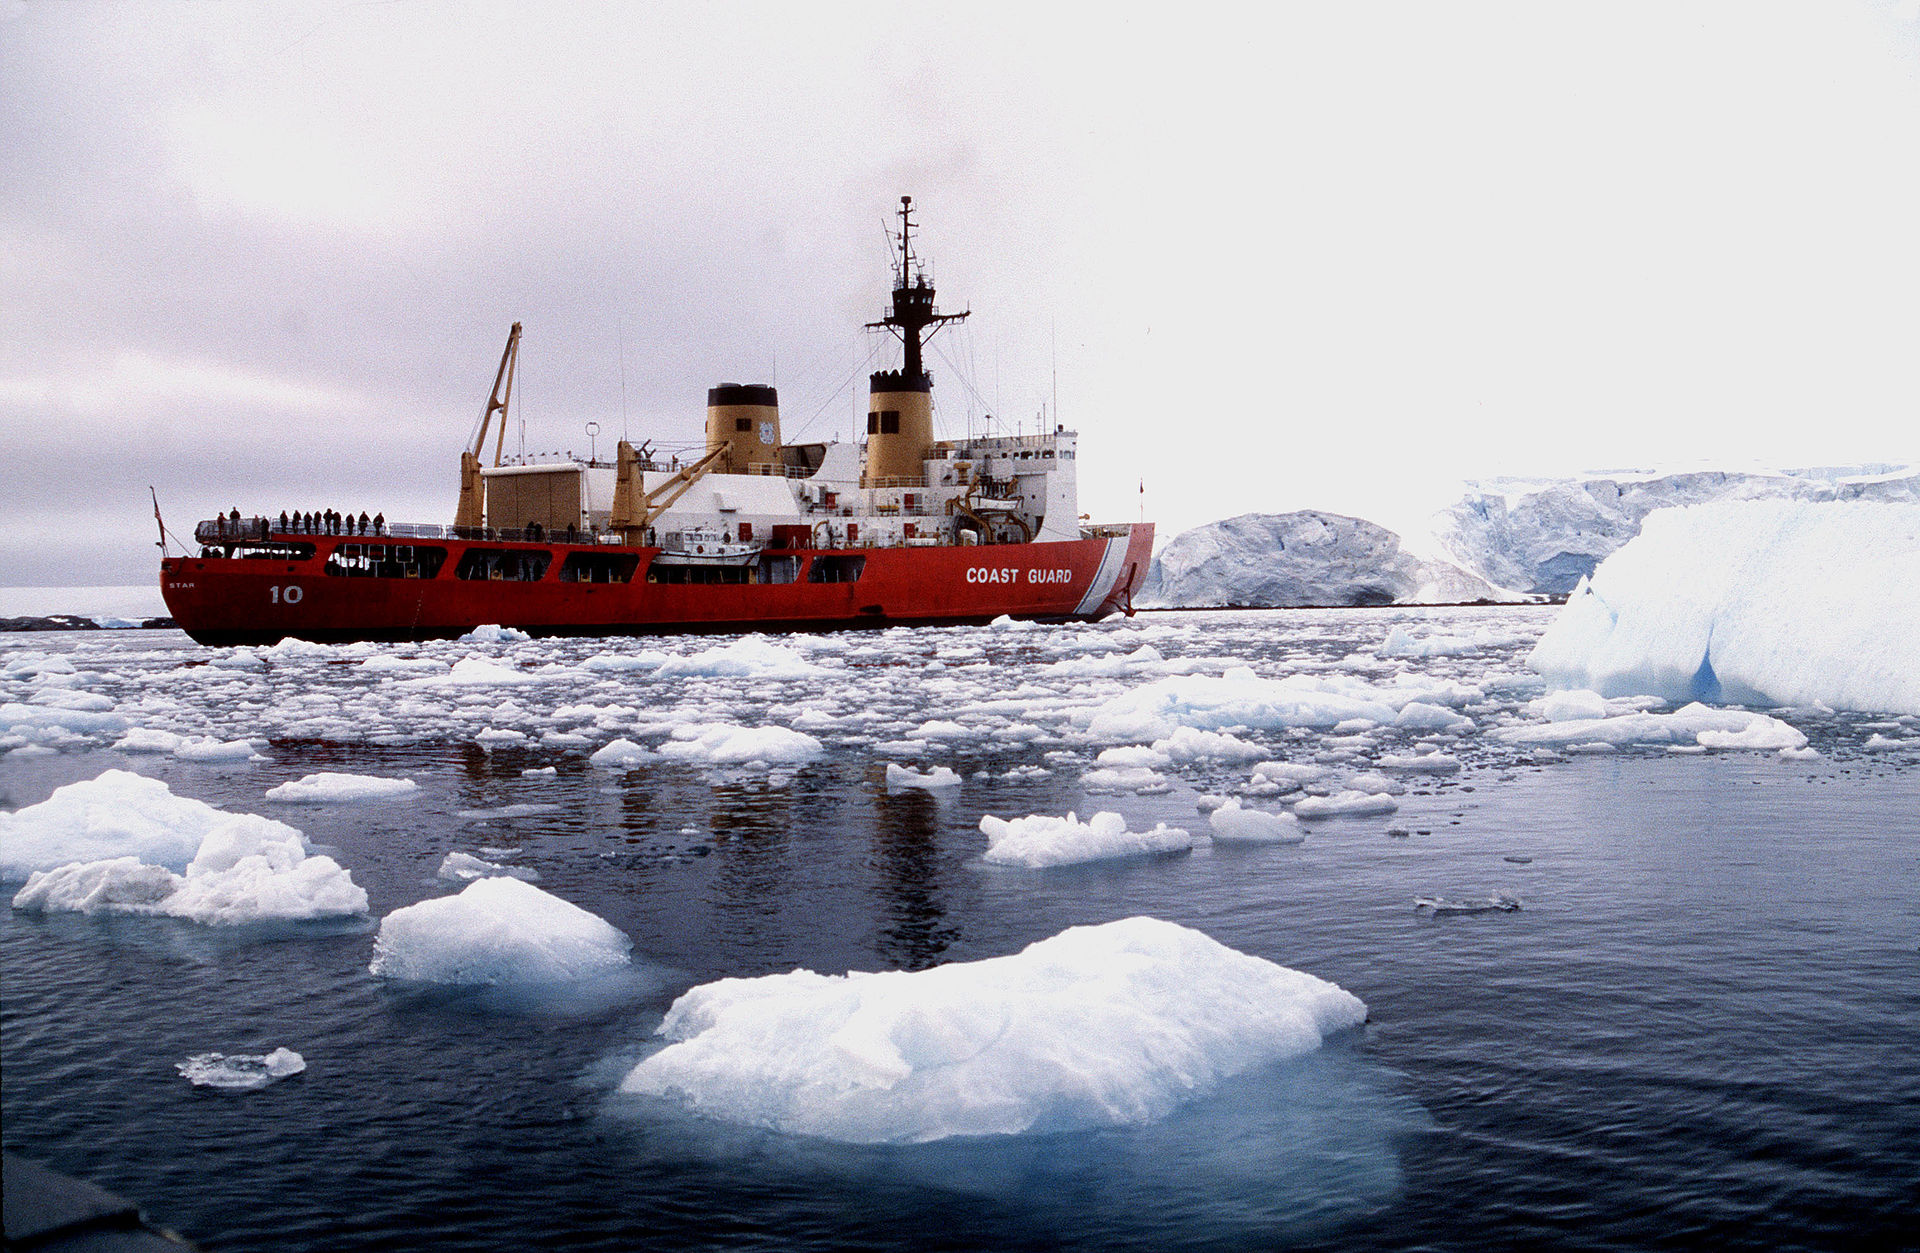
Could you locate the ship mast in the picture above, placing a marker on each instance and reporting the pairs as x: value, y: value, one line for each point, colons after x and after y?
x: 913, y: 312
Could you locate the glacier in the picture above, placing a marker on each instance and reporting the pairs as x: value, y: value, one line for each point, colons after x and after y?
x: 1775, y: 602
x: 1545, y: 535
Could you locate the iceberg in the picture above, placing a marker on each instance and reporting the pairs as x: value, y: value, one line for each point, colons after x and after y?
x: 497, y: 930
x: 1754, y: 603
x: 1231, y: 823
x: 1111, y: 1025
x: 1302, y: 558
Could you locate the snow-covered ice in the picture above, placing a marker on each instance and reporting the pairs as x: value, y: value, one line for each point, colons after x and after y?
x: 498, y: 930
x: 1690, y: 724
x: 902, y: 778
x: 724, y: 744
x: 1038, y: 841
x: 1346, y: 804
x: 329, y: 787
x: 1110, y: 1025
x: 1752, y: 602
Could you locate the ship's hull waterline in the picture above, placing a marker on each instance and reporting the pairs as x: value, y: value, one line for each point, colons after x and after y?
x: 259, y: 599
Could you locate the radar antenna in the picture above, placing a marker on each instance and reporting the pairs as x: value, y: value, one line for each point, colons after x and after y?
x: 912, y: 311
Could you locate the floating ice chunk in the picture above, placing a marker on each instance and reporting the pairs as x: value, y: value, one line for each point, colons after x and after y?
x: 148, y: 740
x: 478, y: 672
x: 1567, y: 706
x: 1401, y: 643
x: 1347, y: 804
x: 724, y: 744
x: 465, y: 867
x: 1188, y: 744
x: 1876, y: 743
x: 1419, y: 716
x: 1113, y: 1025
x: 328, y: 787
x: 901, y: 777
x: 1038, y: 841
x: 387, y: 663
x: 1498, y: 903
x: 1232, y: 823
x: 750, y: 657
x: 118, y: 814
x: 207, y: 749
x: 1207, y: 802
x: 622, y: 754
x: 1289, y: 776
x: 493, y: 633
x: 1133, y: 757
x: 499, y: 737
x: 1138, y: 779
x: 496, y: 931
x: 244, y: 872
x: 241, y: 1072
x: 1759, y: 602
x: 1006, y: 622
x: 942, y: 729
x: 1420, y: 763
x: 1374, y: 781
x: 1685, y: 725
x: 620, y: 663
x: 18, y: 715
x: 541, y: 772
x: 522, y: 809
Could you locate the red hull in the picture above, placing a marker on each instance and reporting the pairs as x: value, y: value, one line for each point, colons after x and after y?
x: 230, y: 600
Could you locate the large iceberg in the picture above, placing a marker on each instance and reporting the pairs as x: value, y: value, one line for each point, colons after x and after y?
x: 1098, y: 1026
x: 1302, y: 558
x: 1545, y: 535
x: 1753, y: 603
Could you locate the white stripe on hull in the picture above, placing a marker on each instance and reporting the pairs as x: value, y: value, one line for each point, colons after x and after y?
x: 1104, y: 578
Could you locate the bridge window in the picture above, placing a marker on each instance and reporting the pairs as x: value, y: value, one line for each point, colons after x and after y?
x: 512, y: 565
x: 663, y: 572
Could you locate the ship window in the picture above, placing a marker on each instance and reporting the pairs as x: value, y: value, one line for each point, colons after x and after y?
x: 889, y: 421
x: 512, y: 565
x: 873, y: 423
x: 779, y: 569
x: 598, y: 568
x: 836, y: 568
x: 663, y: 572
x: 385, y: 561
x: 743, y: 424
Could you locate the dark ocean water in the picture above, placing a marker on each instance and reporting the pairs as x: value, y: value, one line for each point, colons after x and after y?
x: 1701, y: 1030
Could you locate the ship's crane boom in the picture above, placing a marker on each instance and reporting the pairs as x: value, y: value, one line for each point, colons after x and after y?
x: 472, y: 507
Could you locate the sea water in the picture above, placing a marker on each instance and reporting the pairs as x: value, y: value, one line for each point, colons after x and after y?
x: 1700, y: 1027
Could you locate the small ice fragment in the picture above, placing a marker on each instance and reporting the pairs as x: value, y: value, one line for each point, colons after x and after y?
x: 1347, y: 804
x: 465, y: 867
x: 496, y: 931
x: 240, y: 1072
x: 623, y: 754
x: 540, y: 772
x: 1038, y: 841
x: 1497, y: 903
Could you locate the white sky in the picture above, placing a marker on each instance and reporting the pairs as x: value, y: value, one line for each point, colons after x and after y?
x: 1291, y: 256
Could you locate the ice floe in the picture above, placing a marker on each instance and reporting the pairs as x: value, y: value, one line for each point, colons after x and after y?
x: 1346, y: 804
x: 330, y: 787
x: 902, y: 778
x: 1110, y: 1025
x: 1691, y: 724
x: 110, y: 845
x: 1038, y: 841
x: 465, y: 867
x: 497, y: 930
x: 724, y: 744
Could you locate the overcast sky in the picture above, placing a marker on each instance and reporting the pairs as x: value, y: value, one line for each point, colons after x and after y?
x: 1269, y: 257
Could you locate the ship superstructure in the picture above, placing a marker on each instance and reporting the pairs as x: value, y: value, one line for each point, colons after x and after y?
x: 949, y: 530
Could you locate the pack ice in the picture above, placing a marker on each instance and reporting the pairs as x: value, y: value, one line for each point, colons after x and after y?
x: 497, y: 930
x: 114, y: 844
x: 1107, y: 1025
x: 1753, y: 603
